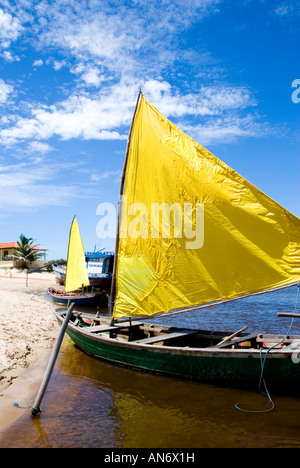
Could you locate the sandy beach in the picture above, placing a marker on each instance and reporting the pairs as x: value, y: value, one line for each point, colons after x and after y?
x: 28, y: 326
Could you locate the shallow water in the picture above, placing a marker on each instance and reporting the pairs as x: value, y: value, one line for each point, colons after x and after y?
x: 90, y: 403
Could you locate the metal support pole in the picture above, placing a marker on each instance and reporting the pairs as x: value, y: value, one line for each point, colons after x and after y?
x: 36, y: 407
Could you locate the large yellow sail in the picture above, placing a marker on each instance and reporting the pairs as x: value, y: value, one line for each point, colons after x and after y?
x: 77, y: 275
x: 192, y: 230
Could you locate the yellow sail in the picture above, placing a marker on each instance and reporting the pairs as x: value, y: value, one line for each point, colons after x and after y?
x: 192, y: 230
x: 77, y: 275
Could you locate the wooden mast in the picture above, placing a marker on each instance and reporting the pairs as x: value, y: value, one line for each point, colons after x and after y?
x: 113, y: 283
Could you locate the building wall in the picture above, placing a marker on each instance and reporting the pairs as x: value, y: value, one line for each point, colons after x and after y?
x: 2, y: 251
x: 12, y: 252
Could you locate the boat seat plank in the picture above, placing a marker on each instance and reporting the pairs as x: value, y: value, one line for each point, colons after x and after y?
x: 274, y: 339
x: 127, y: 324
x: 166, y: 336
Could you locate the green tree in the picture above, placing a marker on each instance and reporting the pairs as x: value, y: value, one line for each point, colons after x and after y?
x: 25, y: 253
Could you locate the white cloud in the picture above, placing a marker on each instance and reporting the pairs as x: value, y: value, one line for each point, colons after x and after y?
x: 207, y: 101
x: 288, y: 8
x: 282, y: 10
x: 103, y: 115
x: 32, y: 197
x: 89, y: 74
x: 30, y: 186
x: 92, y: 76
x: 76, y: 117
x: 5, y: 91
x: 38, y: 63
x: 110, y: 51
x: 113, y: 52
x: 227, y: 130
x: 119, y: 38
x: 39, y: 147
x: 10, y: 28
x: 9, y: 57
x: 105, y: 175
x: 58, y: 65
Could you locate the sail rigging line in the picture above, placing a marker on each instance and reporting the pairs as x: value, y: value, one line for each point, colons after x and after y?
x: 204, y: 306
x: 113, y: 283
x: 263, y: 362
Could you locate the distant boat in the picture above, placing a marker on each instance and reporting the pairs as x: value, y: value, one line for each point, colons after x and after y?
x: 251, y: 245
x: 60, y: 272
x: 74, y: 275
x: 87, y: 299
x: 99, y: 267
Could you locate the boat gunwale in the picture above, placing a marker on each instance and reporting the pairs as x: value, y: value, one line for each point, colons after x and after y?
x: 70, y: 295
x: 185, y: 350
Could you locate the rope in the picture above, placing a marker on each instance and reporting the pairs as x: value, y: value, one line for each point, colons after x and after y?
x: 21, y: 407
x: 262, y: 364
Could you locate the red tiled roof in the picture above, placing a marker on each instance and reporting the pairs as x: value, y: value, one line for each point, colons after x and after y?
x: 9, y: 245
x: 14, y: 245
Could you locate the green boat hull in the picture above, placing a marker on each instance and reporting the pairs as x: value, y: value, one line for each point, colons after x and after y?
x: 224, y: 367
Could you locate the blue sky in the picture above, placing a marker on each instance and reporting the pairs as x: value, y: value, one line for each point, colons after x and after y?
x: 221, y: 70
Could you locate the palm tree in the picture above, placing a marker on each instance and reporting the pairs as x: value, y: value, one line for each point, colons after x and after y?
x: 26, y: 254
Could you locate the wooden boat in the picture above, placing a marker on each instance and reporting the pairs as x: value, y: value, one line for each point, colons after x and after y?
x: 60, y: 272
x: 100, y: 267
x: 188, y: 353
x: 85, y: 299
x: 75, y: 275
x: 251, y: 246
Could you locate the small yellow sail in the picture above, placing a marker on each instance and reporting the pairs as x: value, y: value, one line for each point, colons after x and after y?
x: 192, y: 230
x: 77, y: 275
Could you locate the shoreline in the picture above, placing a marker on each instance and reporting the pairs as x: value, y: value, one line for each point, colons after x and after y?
x: 18, y: 398
x: 27, y: 334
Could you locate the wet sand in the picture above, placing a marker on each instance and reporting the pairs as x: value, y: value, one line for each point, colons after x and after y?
x: 27, y: 333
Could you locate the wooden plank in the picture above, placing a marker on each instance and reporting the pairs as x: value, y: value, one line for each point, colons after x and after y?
x: 107, y: 328
x: 167, y: 336
x: 127, y: 324
x: 154, y: 328
x: 287, y: 314
x: 235, y: 341
x: 100, y: 328
x: 275, y: 339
